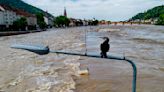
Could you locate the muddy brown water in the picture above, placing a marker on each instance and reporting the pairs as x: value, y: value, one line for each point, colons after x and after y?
x: 142, y: 44
x: 22, y: 71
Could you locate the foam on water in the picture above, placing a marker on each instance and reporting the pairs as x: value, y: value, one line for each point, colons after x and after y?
x: 46, y: 75
x: 50, y: 78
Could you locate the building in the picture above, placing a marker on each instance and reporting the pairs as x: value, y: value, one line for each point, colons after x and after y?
x: 31, y: 18
x: 72, y: 22
x: 2, y: 24
x: 8, y: 15
x: 85, y: 22
x: 65, y: 12
x: 49, y: 20
x: 46, y: 20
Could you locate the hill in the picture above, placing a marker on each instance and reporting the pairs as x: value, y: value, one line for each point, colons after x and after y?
x: 150, y: 14
x: 24, y: 6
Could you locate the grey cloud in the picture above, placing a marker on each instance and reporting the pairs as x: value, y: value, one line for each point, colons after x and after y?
x: 114, y: 10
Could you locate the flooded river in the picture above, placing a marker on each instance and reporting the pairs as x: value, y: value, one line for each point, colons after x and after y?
x: 22, y: 71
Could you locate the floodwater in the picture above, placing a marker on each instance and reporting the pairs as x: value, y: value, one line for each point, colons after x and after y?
x: 23, y: 71
x: 143, y: 44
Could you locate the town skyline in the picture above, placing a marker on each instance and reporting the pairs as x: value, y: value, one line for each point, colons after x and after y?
x: 119, y: 10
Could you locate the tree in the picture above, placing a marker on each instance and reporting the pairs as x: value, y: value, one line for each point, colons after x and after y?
x: 95, y: 22
x: 161, y: 20
x: 40, y: 20
x: 151, y: 13
x: 20, y: 24
x: 20, y: 4
x: 61, y: 21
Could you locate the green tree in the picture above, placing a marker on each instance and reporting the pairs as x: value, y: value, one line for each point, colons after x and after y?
x: 40, y: 20
x: 161, y: 20
x: 61, y: 21
x: 95, y: 22
x: 20, y: 4
x: 20, y: 24
x: 151, y: 13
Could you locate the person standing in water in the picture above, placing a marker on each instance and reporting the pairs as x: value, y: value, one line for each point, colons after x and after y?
x: 104, y: 47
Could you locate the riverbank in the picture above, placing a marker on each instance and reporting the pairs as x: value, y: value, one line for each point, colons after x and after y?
x: 10, y: 33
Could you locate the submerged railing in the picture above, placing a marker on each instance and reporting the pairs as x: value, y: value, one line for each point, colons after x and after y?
x: 42, y: 50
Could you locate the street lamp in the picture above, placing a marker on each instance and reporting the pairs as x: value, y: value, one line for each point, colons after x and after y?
x: 43, y: 50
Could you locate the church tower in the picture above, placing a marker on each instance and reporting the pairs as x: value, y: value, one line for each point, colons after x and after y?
x: 65, y: 12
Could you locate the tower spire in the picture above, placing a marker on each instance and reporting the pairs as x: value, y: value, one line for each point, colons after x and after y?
x: 65, y: 12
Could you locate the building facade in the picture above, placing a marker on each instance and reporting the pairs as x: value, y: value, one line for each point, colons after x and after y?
x: 31, y: 18
x: 1, y: 17
x: 49, y: 20
x: 8, y: 15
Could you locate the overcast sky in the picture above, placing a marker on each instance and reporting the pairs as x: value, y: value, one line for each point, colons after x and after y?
x: 115, y: 10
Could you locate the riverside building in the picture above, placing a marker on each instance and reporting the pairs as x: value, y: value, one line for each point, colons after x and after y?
x: 8, y: 15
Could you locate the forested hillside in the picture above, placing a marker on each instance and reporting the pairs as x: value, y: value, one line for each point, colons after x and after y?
x: 22, y: 5
x: 151, y: 13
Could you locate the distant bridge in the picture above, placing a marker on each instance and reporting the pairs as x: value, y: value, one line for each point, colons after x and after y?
x: 127, y: 23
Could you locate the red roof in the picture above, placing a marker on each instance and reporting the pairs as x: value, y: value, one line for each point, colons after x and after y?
x: 18, y: 11
x: 23, y: 13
